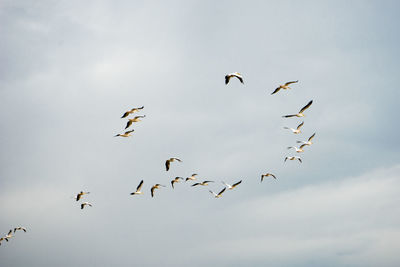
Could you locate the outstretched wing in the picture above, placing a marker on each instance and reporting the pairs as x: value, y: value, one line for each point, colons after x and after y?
x: 306, y: 107
x: 311, y: 137
x: 238, y: 183
x: 129, y: 123
x: 286, y: 84
x: 125, y: 114
x: 300, y: 160
x: 167, y: 163
x: 240, y: 78
x: 139, y: 186
x: 276, y: 90
x: 227, y: 78
x: 223, y: 190
x: 301, y: 124
x: 289, y: 116
x: 152, y: 191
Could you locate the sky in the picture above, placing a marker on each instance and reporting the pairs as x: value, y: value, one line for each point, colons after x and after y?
x: 70, y: 69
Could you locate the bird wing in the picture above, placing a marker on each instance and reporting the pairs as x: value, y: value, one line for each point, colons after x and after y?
x: 272, y: 175
x: 311, y: 137
x: 167, y: 163
x: 238, y: 183
x: 127, y: 132
x: 172, y: 183
x: 299, y: 160
x: 212, y: 192
x: 303, y: 145
x: 227, y: 78
x: 195, y: 184
x: 129, y: 123
x: 223, y: 190
x: 139, y: 186
x: 301, y: 124
x: 152, y: 191
x: 78, y: 196
x: 306, y: 107
x: 289, y: 116
x: 240, y: 78
x: 177, y: 159
x: 286, y: 159
x: 125, y: 114
x: 286, y: 84
x: 276, y: 90
x: 82, y: 206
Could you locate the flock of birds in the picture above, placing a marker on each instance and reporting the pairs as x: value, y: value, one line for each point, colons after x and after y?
x: 194, y: 176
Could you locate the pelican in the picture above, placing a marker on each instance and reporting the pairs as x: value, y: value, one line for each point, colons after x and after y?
x: 204, y: 183
x: 138, y: 192
x: 298, y: 150
x: 309, y: 142
x: 9, y: 235
x: 293, y: 158
x: 234, y: 74
x: 126, y: 134
x: 284, y: 86
x: 135, y: 119
x: 191, y: 178
x: 176, y: 180
x: 219, y: 194
x: 230, y: 187
x: 300, y: 114
x: 80, y: 194
x: 266, y: 175
x: 168, y: 162
x: 156, y: 186
x: 297, y: 130
x: 84, y: 204
x: 131, y: 111
x: 20, y: 228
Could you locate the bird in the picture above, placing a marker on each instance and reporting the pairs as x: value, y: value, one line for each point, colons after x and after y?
x: 135, y: 119
x: 284, y: 86
x: 230, y: 187
x: 80, y: 194
x: 1, y: 239
x: 309, y: 142
x: 219, y: 194
x: 168, y: 162
x: 176, y: 180
x: 293, y: 158
x: 126, y: 134
x: 298, y: 150
x: 84, y: 204
x: 266, y: 175
x: 204, y: 183
x: 138, y: 192
x: 191, y: 178
x: 20, y: 228
x: 9, y: 235
x: 156, y: 186
x: 300, y: 114
x: 126, y: 114
x: 234, y: 74
x: 297, y: 130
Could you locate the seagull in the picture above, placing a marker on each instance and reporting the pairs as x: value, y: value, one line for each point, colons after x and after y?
x: 176, y: 180
x: 9, y: 235
x: 168, y: 162
x: 131, y: 111
x: 126, y: 134
x: 135, y: 119
x: 84, y: 204
x: 219, y: 194
x: 138, y: 192
x: 230, y: 187
x: 204, y: 183
x: 309, y: 142
x: 234, y: 74
x: 266, y: 175
x: 80, y: 194
x: 298, y: 150
x: 191, y: 178
x: 297, y: 130
x: 156, y: 186
x: 20, y: 228
x: 284, y: 86
x: 300, y: 114
x: 293, y: 158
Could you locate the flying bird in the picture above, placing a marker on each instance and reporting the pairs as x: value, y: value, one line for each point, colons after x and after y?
x: 126, y: 134
x: 176, y: 180
x: 20, y: 228
x: 168, y: 162
x: 309, y: 142
x: 297, y: 130
x: 84, y: 204
x: 266, y: 175
x: 154, y: 187
x: 293, y: 158
x: 284, y: 86
x: 191, y: 178
x: 135, y: 119
x: 219, y: 194
x: 234, y: 74
x: 300, y: 114
x: 138, y: 192
x: 204, y: 183
x: 298, y: 150
x: 80, y: 194
x: 9, y: 235
x: 126, y: 114
x: 230, y: 187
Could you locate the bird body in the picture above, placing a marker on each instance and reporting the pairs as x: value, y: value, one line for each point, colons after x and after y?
x: 204, y: 183
x: 85, y: 204
x: 293, y: 158
x: 230, y: 187
x: 298, y: 150
x: 168, y: 162
x: 138, y: 192
x: 154, y: 187
x: 219, y: 194
x: 266, y: 175
x: 176, y: 180
x: 135, y: 119
x: 126, y: 134
x: 300, y: 114
x: 191, y: 178
x: 308, y: 142
x: 20, y: 228
x: 297, y: 130
x: 233, y: 74
x: 126, y: 114
x: 283, y: 86
x: 80, y: 194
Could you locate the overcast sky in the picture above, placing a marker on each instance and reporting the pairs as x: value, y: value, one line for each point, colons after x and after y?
x: 70, y: 69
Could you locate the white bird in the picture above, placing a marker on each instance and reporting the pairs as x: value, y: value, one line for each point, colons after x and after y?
x: 230, y: 187
x: 176, y: 180
x: 219, y: 194
x: 309, y: 142
x: 298, y: 150
x: 266, y: 175
x: 204, y: 183
x: 80, y: 194
x: 20, y: 228
x: 138, y: 192
x: 9, y: 235
x: 234, y: 74
x: 126, y: 114
x: 297, y: 130
x: 154, y: 187
x: 84, y: 204
x: 126, y: 134
x: 300, y: 114
x: 284, y: 86
x: 168, y: 162
x: 293, y: 158
x: 191, y: 178
x: 135, y: 119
